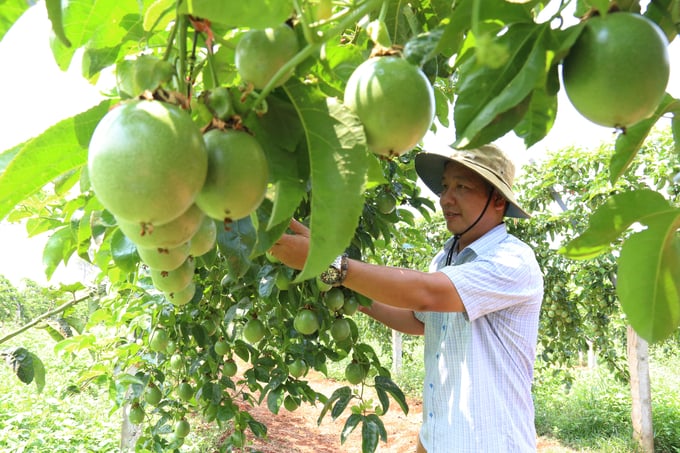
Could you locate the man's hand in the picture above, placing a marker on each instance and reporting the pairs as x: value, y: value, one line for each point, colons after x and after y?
x: 292, y: 248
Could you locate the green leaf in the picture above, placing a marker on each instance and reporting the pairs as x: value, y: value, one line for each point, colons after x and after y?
x: 539, y: 118
x: 10, y: 12
x: 54, y: 15
x: 340, y: 405
x: 38, y: 372
x: 288, y: 194
x: 237, y: 13
x: 57, y: 249
x: 280, y: 133
x: 267, y: 234
x: 156, y: 15
x: 500, y: 12
x: 102, y: 27
x: 442, y: 106
x: 489, y: 95
x: 602, y: 6
x: 339, y: 393
x: 124, y: 252
x: 629, y: 142
x: 236, y: 241
x: 611, y: 219
x: 146, y: 72
x: 21, y: 361
x: 423, y: 47
x: 675, y: 127
x: 648, y: 278
x: 51, y: 331
x: 338, y: 164
x: 351, y: 423
x: 385, y: 384
x: 259, y: 429
x: 8, y: 155
x: 60, y: 148
x: 372, y: 429
x: 274, y: 400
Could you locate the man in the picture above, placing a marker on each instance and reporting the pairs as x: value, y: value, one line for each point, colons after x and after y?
x: 478, y: 307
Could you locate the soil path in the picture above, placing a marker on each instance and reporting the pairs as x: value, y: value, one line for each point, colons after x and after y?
x: 298, y: 432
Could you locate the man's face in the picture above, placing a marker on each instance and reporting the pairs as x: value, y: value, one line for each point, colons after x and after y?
x: 463, y: 197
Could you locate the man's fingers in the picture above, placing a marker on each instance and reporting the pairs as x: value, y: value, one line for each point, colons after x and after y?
x: 298, y: 228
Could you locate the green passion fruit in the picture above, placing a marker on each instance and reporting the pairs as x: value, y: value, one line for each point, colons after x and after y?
x: 237, y: 175
x: 153, y: 395
x: 169, y: 235
x: 164, y: 259
x: 183, y: 296
x: 204, y: 239
x: 254, y: 331
x: 298, y: 368
x: 394, y: 101
x: 340, y: 329
x: 616, y: 72
x: 262, y: 52
x: 136, y: 414
x: 182, y: 428
x: 159, y: 340
x: 306, y: 322
x: 147, y: 161
x: 354, y: 373
x: 174, y: 280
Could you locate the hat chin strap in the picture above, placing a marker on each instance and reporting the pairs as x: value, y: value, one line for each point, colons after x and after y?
x: 456, y: 237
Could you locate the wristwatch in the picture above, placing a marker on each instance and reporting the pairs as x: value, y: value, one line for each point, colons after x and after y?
x: 336, y: 272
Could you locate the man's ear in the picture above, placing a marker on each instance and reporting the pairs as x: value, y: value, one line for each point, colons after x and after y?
x: 499, y: 201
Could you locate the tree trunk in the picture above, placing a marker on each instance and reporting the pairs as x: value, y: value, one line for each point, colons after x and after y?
x: 129, y: 432
x: 638, y: 363
x: 396, y: 352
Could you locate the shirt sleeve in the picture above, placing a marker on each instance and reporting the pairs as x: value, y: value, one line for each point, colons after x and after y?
x: 496, y: 282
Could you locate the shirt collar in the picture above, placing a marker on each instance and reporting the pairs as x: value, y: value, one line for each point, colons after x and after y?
x: 481, y: 245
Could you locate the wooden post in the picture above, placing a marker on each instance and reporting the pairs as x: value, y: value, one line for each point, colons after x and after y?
x: 396, y: 352
x: 641, y: 413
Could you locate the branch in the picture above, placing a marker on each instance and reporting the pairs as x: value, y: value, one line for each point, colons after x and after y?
x: 46, y: 315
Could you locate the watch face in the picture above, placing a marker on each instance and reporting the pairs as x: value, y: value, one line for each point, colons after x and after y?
x: 330, y: 276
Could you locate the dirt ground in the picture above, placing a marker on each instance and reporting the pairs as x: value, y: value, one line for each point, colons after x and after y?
x: 298, y: 432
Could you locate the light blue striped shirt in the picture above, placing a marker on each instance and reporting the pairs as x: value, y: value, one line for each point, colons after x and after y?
x: 479, y: 364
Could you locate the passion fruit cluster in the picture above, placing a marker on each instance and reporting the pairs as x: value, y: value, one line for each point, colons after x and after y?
x: 169, y: 186
x: 393, y: 98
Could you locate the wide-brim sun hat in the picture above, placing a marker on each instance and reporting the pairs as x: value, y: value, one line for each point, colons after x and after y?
x: 488, y: 161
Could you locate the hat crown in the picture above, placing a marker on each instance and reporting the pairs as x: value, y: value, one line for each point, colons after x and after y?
x: 491, y: 158
x: 489, y: 161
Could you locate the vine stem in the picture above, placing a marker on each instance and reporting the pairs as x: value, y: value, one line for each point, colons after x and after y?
x: 182, y: 49
x: 306, y: 31
x: 45, y: 315
x: 312, y: 47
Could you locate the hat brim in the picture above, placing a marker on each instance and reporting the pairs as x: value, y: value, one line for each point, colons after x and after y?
x: 430, y: 168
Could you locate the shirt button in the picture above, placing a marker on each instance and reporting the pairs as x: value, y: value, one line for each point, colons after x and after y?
x: 437, y: 355
x: 431, y: 385
x: 431, y: 415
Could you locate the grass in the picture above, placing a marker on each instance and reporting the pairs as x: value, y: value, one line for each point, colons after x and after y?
x: 61, y: 418
x: 593, y: 415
